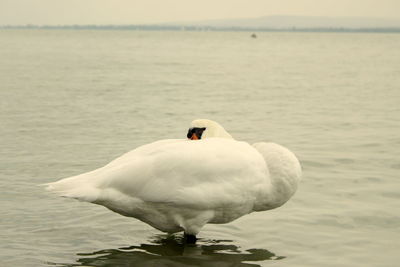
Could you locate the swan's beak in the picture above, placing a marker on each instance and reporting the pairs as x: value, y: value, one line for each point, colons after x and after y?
x: 194, y: 137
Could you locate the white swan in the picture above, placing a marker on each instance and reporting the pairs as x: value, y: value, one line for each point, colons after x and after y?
x: 180, y: 185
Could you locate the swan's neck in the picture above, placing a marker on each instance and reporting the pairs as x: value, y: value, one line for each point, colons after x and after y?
x: 213, y: 129
x: 284, y: 173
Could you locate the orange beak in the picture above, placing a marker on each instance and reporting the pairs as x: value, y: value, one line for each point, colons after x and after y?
x: 194, y: 137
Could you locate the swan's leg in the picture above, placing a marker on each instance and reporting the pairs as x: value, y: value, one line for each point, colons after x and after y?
x: 190, y: 239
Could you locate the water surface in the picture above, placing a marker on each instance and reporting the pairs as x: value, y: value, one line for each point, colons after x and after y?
x: 71, y: 101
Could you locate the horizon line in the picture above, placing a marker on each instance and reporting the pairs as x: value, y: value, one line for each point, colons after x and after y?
x: 163, y: 27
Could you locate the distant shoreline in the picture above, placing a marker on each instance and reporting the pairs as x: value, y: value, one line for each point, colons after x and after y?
x: 199, y: 28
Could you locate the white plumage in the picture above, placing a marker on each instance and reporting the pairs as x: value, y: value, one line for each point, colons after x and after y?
x: 180, y: 185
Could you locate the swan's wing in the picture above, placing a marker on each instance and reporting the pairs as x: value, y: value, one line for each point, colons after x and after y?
x: 213, y: 173
x: 200, y: 174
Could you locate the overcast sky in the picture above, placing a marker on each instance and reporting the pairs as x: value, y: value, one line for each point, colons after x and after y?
x: 152, y: 11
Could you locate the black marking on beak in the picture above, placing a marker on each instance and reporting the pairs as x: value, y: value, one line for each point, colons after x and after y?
x: 195, y: 130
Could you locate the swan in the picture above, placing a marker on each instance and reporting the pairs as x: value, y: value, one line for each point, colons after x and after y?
x: 182, y: 184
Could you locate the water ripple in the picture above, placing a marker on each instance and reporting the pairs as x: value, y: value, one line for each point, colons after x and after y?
x: 172, y: 251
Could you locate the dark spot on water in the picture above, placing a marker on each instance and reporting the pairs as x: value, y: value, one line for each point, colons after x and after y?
x: 395, y: 166
x: 344, y: 161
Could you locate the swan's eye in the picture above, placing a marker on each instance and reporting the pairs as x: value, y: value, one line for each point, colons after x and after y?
x: 195, y: 133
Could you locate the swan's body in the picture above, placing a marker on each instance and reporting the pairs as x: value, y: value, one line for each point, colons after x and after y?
x: 180, y: 185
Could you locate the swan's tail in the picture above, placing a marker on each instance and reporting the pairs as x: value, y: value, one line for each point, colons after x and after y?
x: 80, y: 187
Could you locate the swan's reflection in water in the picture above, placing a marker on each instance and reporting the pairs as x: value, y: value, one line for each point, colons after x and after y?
x: 172, y: 251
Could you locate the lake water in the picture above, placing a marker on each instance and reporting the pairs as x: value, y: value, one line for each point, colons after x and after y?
x: 71, y: 101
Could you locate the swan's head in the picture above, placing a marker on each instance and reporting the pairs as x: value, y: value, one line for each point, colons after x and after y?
x: 202, y: 128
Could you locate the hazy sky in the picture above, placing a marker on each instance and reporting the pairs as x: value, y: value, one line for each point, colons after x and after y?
x: 153, y: 11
